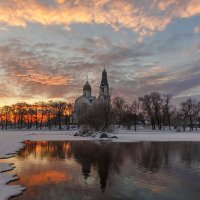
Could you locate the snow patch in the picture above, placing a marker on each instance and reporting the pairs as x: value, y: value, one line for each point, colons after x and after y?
x: 10, y: 143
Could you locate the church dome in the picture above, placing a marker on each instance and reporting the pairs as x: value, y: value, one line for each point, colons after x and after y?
x: 87, y: 86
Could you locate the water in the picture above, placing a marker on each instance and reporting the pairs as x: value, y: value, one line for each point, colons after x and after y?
x: 88, y: 170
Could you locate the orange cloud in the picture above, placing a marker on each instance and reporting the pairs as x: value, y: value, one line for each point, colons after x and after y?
x: 60, y: 1
x: 43, y: 78
x: 138, y: 16
x: 163, y: 5
x: 47, y: 79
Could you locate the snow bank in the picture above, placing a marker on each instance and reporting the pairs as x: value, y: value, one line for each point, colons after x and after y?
x: 11, y: 142
x: 158, y: 137
x: 122, y: 135
x: 11, y: 190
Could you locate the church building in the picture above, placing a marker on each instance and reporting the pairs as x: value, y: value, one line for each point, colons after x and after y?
x: 86, y: 99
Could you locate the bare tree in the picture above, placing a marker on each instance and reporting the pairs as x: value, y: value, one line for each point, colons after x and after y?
x: 5, y: 116
x: 197, y: 114
x: 188, y: 109
x: 60, y: 108
x: 156, y: 107
x: 148, y: 109
x: 96, y: 117
x: 135, y: 106
x: 167, y: 109
x: 157, y: 102
x: 131, y: 115
x: 118, y: 106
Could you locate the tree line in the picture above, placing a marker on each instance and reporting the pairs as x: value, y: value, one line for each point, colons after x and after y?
x: 37, y: 115
x: 152, y: 110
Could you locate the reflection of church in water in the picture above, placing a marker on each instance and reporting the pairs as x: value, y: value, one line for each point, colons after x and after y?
x: 102, y: 161
x: 86, y: 99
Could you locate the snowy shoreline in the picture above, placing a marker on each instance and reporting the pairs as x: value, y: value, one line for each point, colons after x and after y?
x: 12, y: 141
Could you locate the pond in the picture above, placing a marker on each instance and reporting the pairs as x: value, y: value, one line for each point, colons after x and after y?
x: 60, y: 170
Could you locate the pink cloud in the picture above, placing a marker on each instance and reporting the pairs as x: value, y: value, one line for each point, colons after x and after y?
x: 144, y: 17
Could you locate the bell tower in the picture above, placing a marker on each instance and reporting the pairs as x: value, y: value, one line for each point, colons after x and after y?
x: 104, y: 94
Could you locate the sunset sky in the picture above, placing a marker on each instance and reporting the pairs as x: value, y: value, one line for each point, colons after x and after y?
x: 48, y: 47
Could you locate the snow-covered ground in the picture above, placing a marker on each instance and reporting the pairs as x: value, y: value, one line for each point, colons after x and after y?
x: 12, y: 141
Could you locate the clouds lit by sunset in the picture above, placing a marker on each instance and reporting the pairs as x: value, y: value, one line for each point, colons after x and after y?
x: 48, y: 47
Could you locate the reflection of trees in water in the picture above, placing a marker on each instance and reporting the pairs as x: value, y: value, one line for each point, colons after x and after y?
x: 190, y: 152
x: 156, y: 155
x: 44, y: 149
x: 152, y: 156
x: 107, y: 158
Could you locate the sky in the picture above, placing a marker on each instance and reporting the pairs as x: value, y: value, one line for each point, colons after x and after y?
x: 48, y: 47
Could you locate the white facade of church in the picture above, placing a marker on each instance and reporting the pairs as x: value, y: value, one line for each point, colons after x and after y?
x: 86, y: 99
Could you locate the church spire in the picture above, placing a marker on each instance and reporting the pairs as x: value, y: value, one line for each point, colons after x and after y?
x: 104, y: 80
x: 104, y: 94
